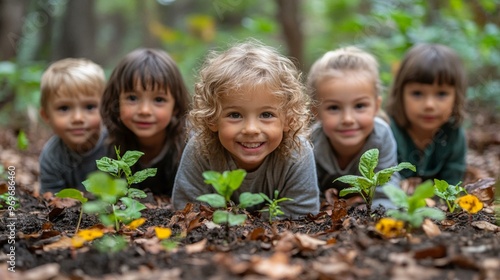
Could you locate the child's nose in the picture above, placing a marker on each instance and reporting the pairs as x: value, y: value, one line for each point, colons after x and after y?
x: 144, y: 108
x: 251, y: 126
x: 77, y: 115
x: 348, y: 117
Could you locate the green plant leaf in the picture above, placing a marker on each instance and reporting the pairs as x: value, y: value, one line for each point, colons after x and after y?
x: 131, y: 212
x: 266, y: 198
x: 368, y: 162
x: 384, y: 175
x: 106, y: 187
x: 422, y: 191
x: 214, y: 178
x: 131, y: 157
x: 22, y: 141
x: 220, y: 217
x: 348, y: 179
x: 213, y: 199
x: 432, y: 213
x: 396, y: 195
x: 72, y: 193
x: 105, y: 164
x: 236, y: 219
x: 235, y: 178
x: 248, y: 199
x: 110, y: 244
x: 96, y: 206
x: 136, y: 193
x: 142, y: 175
x: 347, y: 191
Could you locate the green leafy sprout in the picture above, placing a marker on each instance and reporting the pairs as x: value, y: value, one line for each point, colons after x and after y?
x: 366, y: 184
x: 225, y: 184
x: 449, y: 193
x: 77, y: 195
x: 109, y: 188
x: 412, y: 209
x: 273, y: 206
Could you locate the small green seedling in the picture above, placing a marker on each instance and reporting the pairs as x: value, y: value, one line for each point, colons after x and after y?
x: 448, y: 193
x: 77, y: 195
x: 365, y: 185
x: 110, y: 244
x: 110, y: 187
x: 412, y: 209
x: 273, y: 206
x: 225, y: 184
x: 22, y: 141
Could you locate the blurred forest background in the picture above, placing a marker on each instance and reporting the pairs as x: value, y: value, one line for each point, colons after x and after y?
x: 38, y: 32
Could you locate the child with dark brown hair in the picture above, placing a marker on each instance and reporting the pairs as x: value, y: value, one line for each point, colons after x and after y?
x: 144, y: 106
x: 426, y: 107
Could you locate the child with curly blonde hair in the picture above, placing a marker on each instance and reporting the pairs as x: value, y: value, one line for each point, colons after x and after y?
x: 250, y: 112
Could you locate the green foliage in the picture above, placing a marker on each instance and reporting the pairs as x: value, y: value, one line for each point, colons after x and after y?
x: 111, y: 244
x: 115, y: 200
x: 225, y: 184
x: 7, y: 200
x: 412, y: 209
x: 449, y: 193
x: 365, y: 185
x: 273, y: 206
x: 22, y: 141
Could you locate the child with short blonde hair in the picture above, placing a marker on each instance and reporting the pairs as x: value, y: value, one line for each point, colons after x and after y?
x: 250, y: 112
x: 71, y: 91
x: 345, y: 85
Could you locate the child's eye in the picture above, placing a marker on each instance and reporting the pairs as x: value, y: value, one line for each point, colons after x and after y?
x: 63, y: 108
x: 360, y: 106
x: 267, y: 115
x: 131, y: 97
x: 234, y: 115
x: 442, y: 94
x: 91, y: 107
x: 160, y: 99
x: 416, y: 93
x: 333, y: 108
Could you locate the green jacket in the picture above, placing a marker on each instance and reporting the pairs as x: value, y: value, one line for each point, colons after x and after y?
x: 444, y: 158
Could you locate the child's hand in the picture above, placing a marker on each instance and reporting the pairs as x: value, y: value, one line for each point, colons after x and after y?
x: 332, y: 196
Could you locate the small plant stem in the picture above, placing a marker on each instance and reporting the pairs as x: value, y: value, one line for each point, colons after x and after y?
x: 79, y: 220
x: 116, y: 220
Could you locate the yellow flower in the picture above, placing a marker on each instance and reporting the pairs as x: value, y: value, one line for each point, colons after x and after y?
x: 85, y: 235
x: 136, y: 223
x: 389, y: 227
x: 163, y: 233
x: 470, y: 203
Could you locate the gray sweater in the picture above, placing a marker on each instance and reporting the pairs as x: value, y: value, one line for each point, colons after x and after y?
x: 61, y: 168
x: 294, y: 178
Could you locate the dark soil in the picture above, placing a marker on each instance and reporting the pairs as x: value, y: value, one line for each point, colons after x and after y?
x: 344, y: 245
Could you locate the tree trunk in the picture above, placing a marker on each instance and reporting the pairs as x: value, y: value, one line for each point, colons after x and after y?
x: 78, y: 31
x: 11, y: 23
x: 289, y: 18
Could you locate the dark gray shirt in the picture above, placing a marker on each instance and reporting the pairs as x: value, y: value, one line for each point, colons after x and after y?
x: 62, y: 168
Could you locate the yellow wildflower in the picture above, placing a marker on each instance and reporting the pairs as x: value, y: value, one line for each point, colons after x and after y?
x: 163, y: 233
x: 136, y: 223
x: 470, y: 203
x: 389, y: 227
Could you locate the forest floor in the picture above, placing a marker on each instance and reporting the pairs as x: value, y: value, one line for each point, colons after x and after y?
x: 339, y: 243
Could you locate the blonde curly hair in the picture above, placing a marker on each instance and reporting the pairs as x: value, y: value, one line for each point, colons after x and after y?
x: 248, y: 64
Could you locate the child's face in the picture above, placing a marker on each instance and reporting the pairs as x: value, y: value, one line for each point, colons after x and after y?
x: 250, y: 126
x: 75, y: 119
x: 347, y: 110
x: 147, y: 113
x: 428, y: 107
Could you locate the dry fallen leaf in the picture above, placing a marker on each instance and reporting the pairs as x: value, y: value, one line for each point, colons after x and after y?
x: 196, y: 247
x: 307, y: 242
x: 430, y: 228
x: 486, y: 226
x: 278, y: 266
